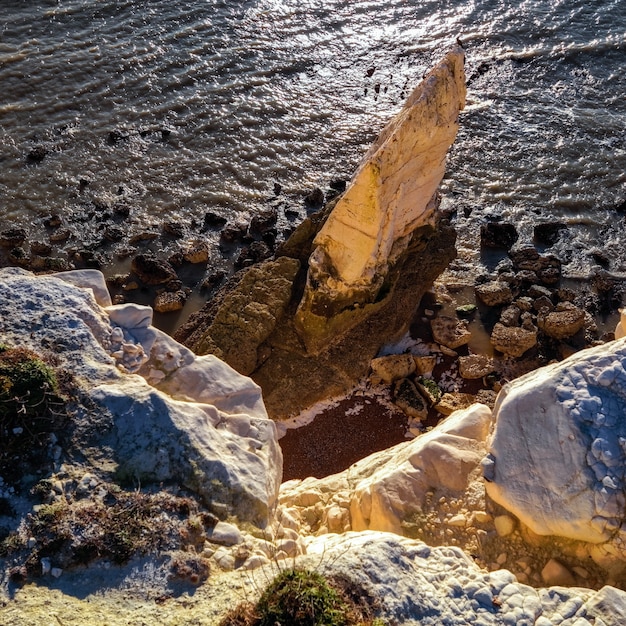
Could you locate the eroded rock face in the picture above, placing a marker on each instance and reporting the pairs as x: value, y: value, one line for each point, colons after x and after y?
x: 188, y: 420
x: 558, y: 450
x: 391, y: 194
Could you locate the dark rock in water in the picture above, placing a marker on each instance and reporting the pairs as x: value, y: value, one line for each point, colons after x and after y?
x: 269, y: 238
x: 277, y: 189
x: 123, y: 210
x: 315, y: 198
x: 88, y: 259
x: 142, y: 237
x: 621, y: 208
x: 257, y: 251
x: 116, y: 135
x: 466, y: 310
x: 213, y: 220
x: 264, y: 221
x: 52, y: 221
x: 174, y: 229
x: 548, y: 233
x: 233, y: 233
x: 546, y: 266
x: 12, y: 237
x: 498, y: 235
x: 152, y: 271
x: 338, y: 184
x: 601, y: 258
x: 291, y: 213
x: 212, y: 280
x: 176, y: 259
x: 37, y: 154
x: 114, y: 233
x: 60, y: 235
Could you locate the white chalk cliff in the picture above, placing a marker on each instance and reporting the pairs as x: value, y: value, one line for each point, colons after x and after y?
x: 160, y: 413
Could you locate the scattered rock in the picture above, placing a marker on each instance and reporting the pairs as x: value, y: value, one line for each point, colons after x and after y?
x: 513, y: 341
x: 555, y: 573
x: 263, y: 221
x: 494, y: 293
x: 61, y: 235
x: 450, y: 331
x: 393, y: 367
x: 510, y: 316
x: 465, y: 310
x: 504, y: 524
x: 151, y: 270
x: 454, y: 401
x: 565, y: 321
x: 410, y: 400
x: 424, y: 365
x: 498, y: 235
x: 225, y: 534
x: 315, y: 198
x: 169, y: 301
x: 142, y: 237
x: 12, y: 237
x: 548, y: 233
x: 196, y: 251
x: 475, y: 366
x: 213, y: 220
x: 174, y: 229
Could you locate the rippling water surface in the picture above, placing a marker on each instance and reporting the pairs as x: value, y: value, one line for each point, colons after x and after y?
x: 175, y: 108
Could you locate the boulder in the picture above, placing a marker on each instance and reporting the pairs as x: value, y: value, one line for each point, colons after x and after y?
x: 494, y: 293
x: 152, y: 271
x: 565, y: 321
x: 498, y: 235
x: 557, y: 452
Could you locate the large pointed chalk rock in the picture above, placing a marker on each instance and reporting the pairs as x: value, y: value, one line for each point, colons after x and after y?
x: 392, y: 194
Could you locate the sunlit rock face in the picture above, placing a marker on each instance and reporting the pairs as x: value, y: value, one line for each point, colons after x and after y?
x: 558, y: 451
x: 392, y: 193
x: 149, y: 410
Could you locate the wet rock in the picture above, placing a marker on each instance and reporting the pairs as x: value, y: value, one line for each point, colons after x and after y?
x: 465, y: 310
x: 196, y: 252
x: 174, y: 229
x: 510, y: 316
x: 475, y: 366
x: 601, y: 258
x: 450, y: 332
x: 539, y: 291
x: 213, y: 220
x: 392, y: 367
x: 525, y: 258
x: 41, y: 248
x: 513, y: 341
x: 12, y: 237
x: 264, y: 221
x: 565, y: 321
x: 548, y: 233
x: 121, y: 210
x: 494, y: 293
x: 61, y: 235
x: 454, y: 401
x: 252, y: 254
x: 116, y: 135
x: 338, y: 184
x: 151, y: 270
x: 277, y: 189
x: 498, y: 235
x: 143, y: 237
x: 19, y: 256
x: 549, y: 275
x: 114, y: 233
x: 52, y: 221
x: 543, y: 303
x: 410, y: 400
x: 315, y: 198
x: 37, y: 154
x: 169, y: 301
x: 233, y: 233
x: 212, y: 280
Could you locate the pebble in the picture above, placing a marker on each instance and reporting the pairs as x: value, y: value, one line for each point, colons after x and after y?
x: 504, y: 524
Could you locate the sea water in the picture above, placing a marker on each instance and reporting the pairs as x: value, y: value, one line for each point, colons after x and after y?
x: 182, y: 107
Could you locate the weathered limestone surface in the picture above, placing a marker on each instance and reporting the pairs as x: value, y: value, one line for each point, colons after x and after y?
x: 151, y: 410
x: 391, y: 194
x: 558, y: 450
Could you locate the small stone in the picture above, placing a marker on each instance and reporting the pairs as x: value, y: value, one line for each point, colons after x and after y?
x: 459, y: 521
x: 169, y: 301
x: 56, y: 572
x: 45, y: 566
x: 450, y: 332
x: 555, y: 573
x: 504, y: 524
x: 465, y: 310
x: 225, y: 534
x: 425, y: 364
x: 151, y: 270
x: 549, y: 232
x: 498, y: 235
x: 60, y: 235
x: 510, y: 316
x: 481, y: 517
